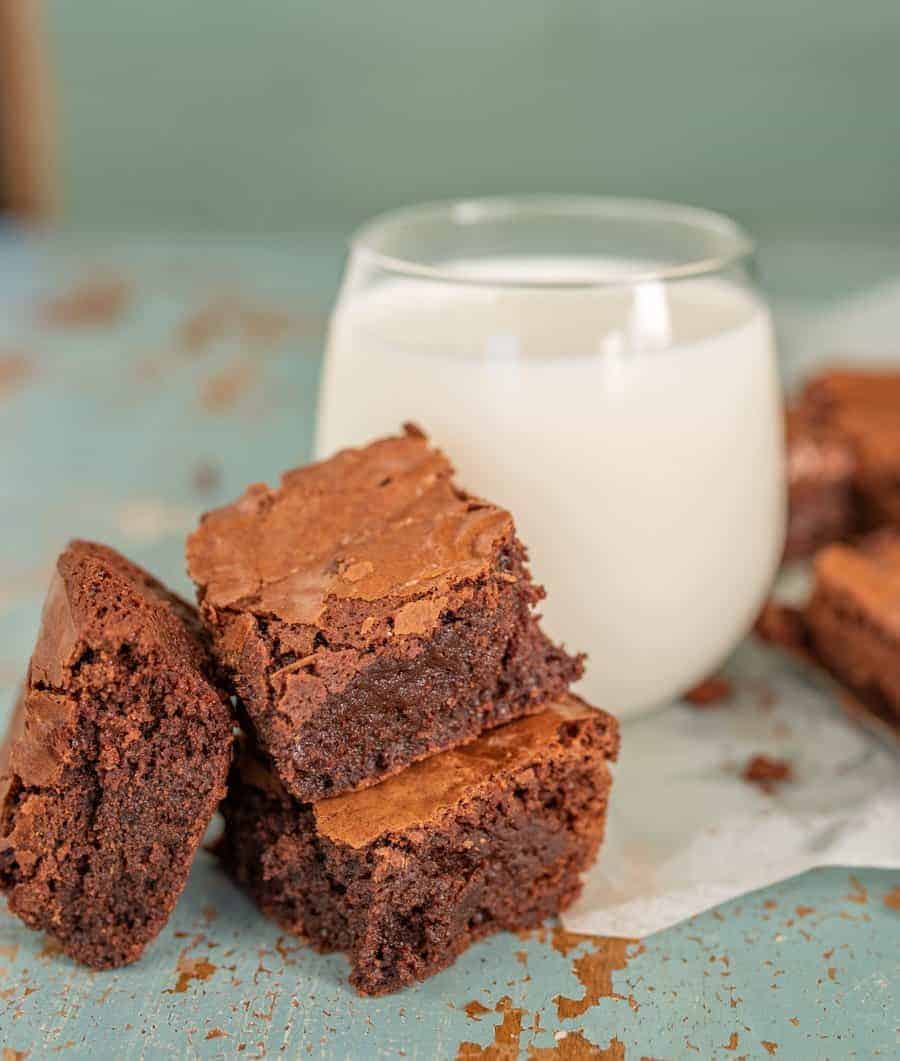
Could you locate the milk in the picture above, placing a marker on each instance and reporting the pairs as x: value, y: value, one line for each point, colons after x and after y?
x: 634, y: 433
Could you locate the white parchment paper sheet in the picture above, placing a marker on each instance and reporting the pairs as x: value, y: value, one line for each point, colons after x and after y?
x: 686, y: 831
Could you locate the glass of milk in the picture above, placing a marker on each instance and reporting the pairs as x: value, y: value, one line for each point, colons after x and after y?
x: 605, y: 368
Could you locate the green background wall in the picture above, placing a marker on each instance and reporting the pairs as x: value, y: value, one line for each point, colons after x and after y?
x: 273, y: 116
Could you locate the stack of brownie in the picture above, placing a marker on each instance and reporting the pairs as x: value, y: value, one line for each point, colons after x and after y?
x: 412, y: 772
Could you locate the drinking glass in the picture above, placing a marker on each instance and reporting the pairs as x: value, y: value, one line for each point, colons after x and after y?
x: 605, y: 368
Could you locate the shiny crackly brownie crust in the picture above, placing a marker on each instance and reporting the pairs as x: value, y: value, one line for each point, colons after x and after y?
x: 404, y: 876
x: 370, y: 613
x: 120, y: 758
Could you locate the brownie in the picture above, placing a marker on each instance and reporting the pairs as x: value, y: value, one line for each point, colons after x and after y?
x: 843, y: 457
x: 821, y: 495
x: 864, y: 407
x: 370, y: 613
x: 852, y: 620
x: 850, y: 626
x: 122, y: 758
x: 403, y: 876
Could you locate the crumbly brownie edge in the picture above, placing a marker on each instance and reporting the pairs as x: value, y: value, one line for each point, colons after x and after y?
x: 270, y: 848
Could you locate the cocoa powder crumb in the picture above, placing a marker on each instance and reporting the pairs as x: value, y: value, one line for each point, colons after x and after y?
x: 781, y: 625
x: 709, y: 693
x: 767, y: 772
x: 94, y: 302
x: 15, y: 370
x: 222, y: 392
x: 205, y: 477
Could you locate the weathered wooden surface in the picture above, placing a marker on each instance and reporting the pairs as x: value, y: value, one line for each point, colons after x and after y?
x: 162, y: 381
x: 808, y: 966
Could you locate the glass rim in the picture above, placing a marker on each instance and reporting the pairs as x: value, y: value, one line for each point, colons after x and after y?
x: 738, y: 246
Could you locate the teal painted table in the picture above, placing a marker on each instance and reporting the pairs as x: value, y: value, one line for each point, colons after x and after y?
x: 141, y: 383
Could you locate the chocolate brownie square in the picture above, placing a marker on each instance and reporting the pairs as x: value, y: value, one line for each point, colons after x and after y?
x: 370, y: 614
x: 405, y: 875
x: 863, y: 406
x: 822, y: 502
x: 121, y: 758
x: 852, y: 620
x: 843, y: 457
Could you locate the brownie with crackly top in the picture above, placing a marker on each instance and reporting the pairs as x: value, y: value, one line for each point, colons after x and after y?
x: 852, y: 620
x: 119, y: 754
x: 405, y: 875
x: 850, y: 625
x: 371, y: 613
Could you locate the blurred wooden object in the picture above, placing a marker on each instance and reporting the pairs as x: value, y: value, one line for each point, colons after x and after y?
x: 27, y: 178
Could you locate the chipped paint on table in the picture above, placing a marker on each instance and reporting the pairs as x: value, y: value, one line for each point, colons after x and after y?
x: 142, y: 383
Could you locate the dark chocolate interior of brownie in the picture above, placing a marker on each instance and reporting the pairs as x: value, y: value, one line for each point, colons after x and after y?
x: 121, y: 765
x: 880, y: 495
x: 366, y: 713
x: 406, y: 905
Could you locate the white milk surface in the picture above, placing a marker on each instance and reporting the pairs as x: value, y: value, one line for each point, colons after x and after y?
x: 635, y: 434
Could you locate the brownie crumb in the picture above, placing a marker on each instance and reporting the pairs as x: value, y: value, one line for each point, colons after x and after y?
x: 95, y: 302
x: 229, y: 317
x: 200, y: 329
x: 224, y: 390
x: 709, y: 693
x: 205, y: 477
x: 15, y: 370
x: 781, y: 625
x: 767, y: 772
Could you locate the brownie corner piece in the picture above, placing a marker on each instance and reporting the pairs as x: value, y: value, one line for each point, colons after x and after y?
x: 853, y: 619
x: 405, y: 875
x: 371, y: 613
x: 119, y: 759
